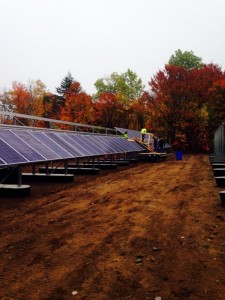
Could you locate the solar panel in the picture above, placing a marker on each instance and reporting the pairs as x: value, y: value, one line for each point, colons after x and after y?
x: 107, y: 142
x: 97, y: 148
x: 47, y: 141
x: 82, y: 147
x: 131, y: 146
x: 9, y: 155
x: 85, y: 142
x: 121, y: 143
x: 45, y: 151
x: 16, y: 143
x: 79, y: 148
x: 63, y: 142
x: 97, y: 141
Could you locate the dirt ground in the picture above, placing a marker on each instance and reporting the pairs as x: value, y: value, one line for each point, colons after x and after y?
x: 148, y: 231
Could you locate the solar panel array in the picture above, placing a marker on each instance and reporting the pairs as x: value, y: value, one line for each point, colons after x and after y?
x: 30, y: 146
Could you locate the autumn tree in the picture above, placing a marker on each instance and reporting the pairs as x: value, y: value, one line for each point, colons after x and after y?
x: 71, y: 104
x: 78, y: 105
x: 67, y: 81
x: 183, y: 102
x: 126, y: 88
x: 27, y: 99
x: 178, y: 100
x: 51, y: 106
x: 108, y: 111
x: 127, y: 85
x: 139, y: 113
x: 204, y: 104
x: 170, y: 100
x: 54, y: 103
x: 20, y: 98
x: 38, y: 92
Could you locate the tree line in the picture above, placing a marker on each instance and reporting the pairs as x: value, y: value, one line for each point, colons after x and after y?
x: 184, y: 103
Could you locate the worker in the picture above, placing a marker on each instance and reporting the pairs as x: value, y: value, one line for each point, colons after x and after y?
x: 143, y: 132
x: 125, y: 135
x: 161, y: 145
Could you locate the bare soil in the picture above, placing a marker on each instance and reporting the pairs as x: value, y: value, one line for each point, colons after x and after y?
x: 141, y: 232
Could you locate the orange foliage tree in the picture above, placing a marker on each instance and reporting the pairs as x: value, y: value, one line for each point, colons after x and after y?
x: 28, y: 99
x: 78, y: 106
x: 20, y: 98
x: 138, y: 113
x: 108, y: 111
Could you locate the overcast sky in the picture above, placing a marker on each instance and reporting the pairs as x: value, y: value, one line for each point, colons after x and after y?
x: 46, y: 39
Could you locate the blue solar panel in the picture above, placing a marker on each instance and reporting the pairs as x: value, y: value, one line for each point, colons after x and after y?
x: 126, y: 145
x: 110, y: 144
x: 16, y: 143
x: 87, y: 151
x: 118, y: 143
x: 101, y: 148
x: 85, y: 142
x: 60, y: 140
x: 47, y: 141
x: 107, y: 142
x: 131, y: 146
x: 46, y: 152
x: 121, y: 145
x: 9, y: 155
x: 81, y: 150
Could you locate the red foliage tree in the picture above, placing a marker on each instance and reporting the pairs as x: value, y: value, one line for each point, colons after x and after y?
x: 108, y: 110
x: 169, y: 101
x: 181, y: 103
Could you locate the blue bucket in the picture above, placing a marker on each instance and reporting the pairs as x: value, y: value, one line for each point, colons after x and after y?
x: 179, y: 155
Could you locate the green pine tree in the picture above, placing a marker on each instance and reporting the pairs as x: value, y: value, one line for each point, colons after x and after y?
x: 65, y: 84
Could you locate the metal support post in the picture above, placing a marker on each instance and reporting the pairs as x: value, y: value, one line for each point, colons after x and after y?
x: 19, y: 174
x: 66, y: 167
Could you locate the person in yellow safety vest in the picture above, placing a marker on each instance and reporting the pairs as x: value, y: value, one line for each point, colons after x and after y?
x: 143, y: 132
x: 125, y: 135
